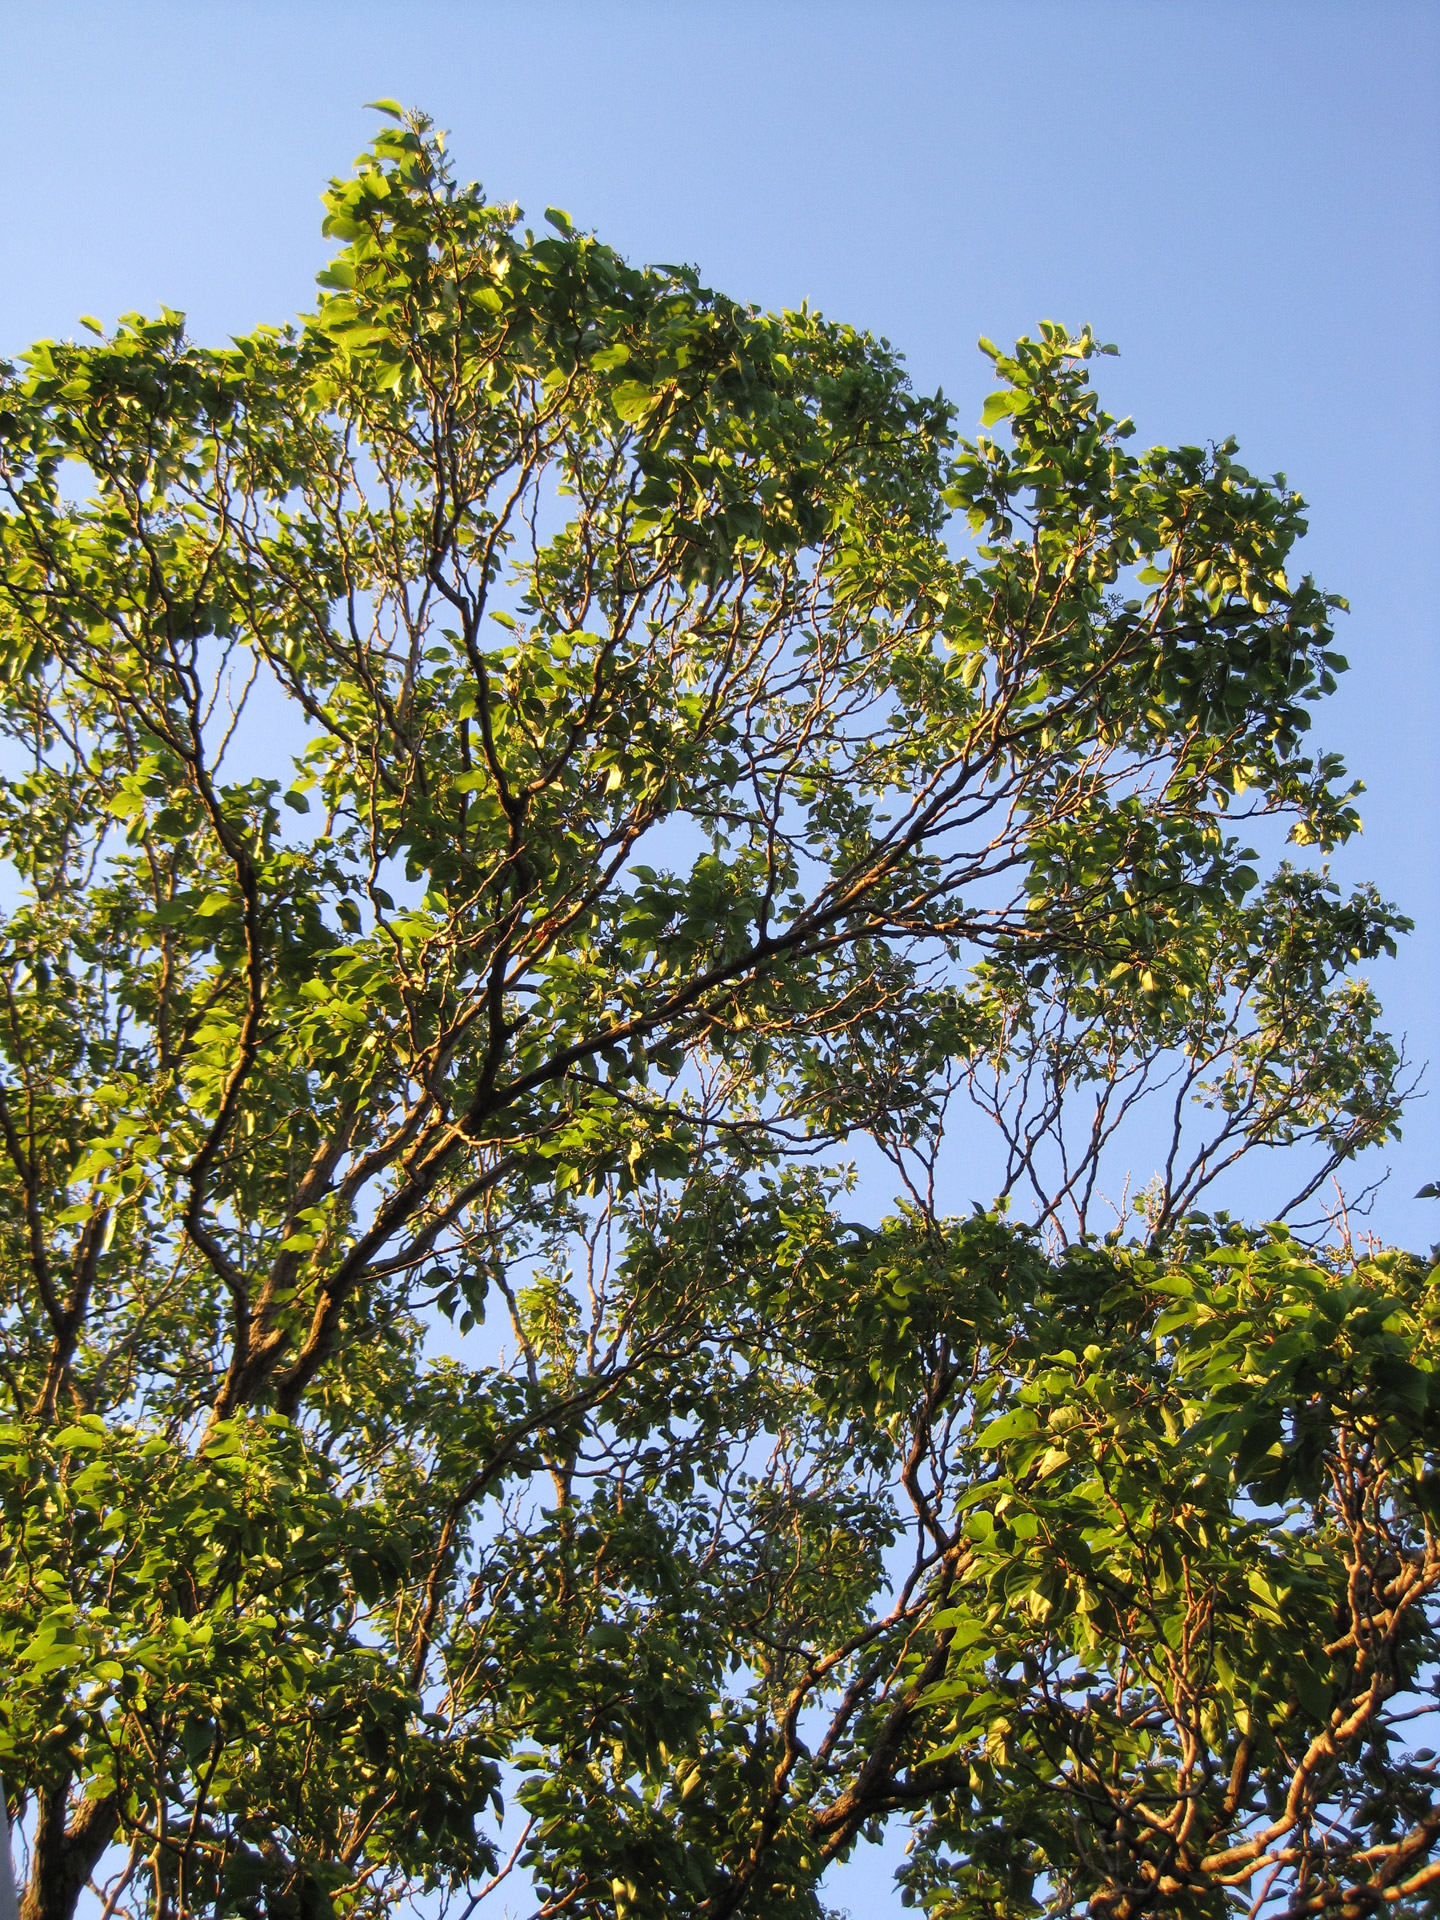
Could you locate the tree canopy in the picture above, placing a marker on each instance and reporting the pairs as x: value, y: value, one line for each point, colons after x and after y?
x: 506, y: 780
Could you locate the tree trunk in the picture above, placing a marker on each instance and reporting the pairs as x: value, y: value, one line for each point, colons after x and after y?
x: 65, y: 1856
x: 9, y: 1899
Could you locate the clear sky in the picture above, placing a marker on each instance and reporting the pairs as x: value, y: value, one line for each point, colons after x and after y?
x: 1244, y: 194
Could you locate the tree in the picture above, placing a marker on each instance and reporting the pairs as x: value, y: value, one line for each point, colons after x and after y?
x: 666, y: 802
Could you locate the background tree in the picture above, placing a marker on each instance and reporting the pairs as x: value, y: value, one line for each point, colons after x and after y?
x: 664, y: 803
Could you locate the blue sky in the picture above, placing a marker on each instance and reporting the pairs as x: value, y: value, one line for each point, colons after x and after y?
x: 1246, y: 197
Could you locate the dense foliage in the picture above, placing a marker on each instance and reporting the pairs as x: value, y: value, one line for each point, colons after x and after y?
x: 505, y: 780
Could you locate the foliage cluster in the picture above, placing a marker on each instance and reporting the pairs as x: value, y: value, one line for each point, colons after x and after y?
x: 504, y: 780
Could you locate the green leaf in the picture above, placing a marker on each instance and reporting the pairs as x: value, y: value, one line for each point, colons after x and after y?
x: 999, y: 406
x: 632, y: 401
